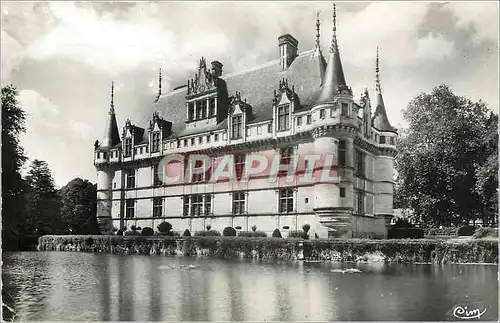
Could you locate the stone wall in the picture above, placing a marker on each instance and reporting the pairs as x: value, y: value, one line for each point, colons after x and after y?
x: 421, y: 251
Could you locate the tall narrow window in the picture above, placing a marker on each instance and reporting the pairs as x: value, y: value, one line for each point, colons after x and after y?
x: 299, y: 121
x: 203, y: 104
x: 157, y: 207
x: 197, y: 177
x: 239, y: 203
x: 155, y: 145
x: 236, y: 127
x: 196, y: 204
x: 211, y: 107
x: 157, y: 175
x: 308, y: 119
x: 359, y: 199
x: 130, y: 178
x: 284, y: 117
x: 190, y: 111
x: 382, y: 139
x: 239, y: 165
x: 285, y: 159
x: 216, y: 137
x: 129, y: 208
x: 345, y: 109
x: 360, y: 163
x: 185, y: 209
x: 286, y: 200
x: 342, y: 153
x: 391, y: 140
x: 208, y: 204
x: 208, y: 139
x: 322, y: 113
x: 128, y: 147
x: 342, y: 192
x: 270, y: 128
x: 198, y: 110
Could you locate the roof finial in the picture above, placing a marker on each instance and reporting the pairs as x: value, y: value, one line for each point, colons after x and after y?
x: 112, y: 105
x: 334, y: 48
x: 317, y: 29
x: 159, y: 86
x: 377, y: 76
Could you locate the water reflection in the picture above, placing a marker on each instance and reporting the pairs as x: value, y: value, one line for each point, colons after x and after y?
x: 80, y: 286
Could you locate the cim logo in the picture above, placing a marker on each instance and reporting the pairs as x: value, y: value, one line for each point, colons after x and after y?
x: 468, y: 312
x: 301, y: 169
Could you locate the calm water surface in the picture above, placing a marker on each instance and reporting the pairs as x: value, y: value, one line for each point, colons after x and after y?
x: 86, y: 286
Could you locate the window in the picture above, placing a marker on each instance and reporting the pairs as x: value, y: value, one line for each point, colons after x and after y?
x: 270, y: 128
x: 239, y: 165
x: 345, y: 109
x: 259, y: 130
x: 208, y: 204
x: 359, y: 199
x: 157, y: 175
x: 382, y: 139
x: 239, y: 203
x: 203, y: 104
x: 322, y: 113
x: 140, y: 151
x: 342, y: 153
x: 283, y: 117
x: 196, y: 204
x: 236, y: 127
x: 208, y: 139
x: 299, y: 121
x: 359, y: 163
x: 129, y: 208
x: 155, y: 146
x: 185, y: 142
x: 200, y: 140
x: 332, y: 113
x: 199, y: 177
x: 308, y: 119
x: 286, y: 200
x: 211, y: 107
x: 178, y: 144
x: 185, y: 209
x: 157, y: 207
x: 248, y: 132
x: 342, y: 192
x: 128, y: 147
x: 130, y: 178
x: 391, y: 140
x: 190, y: 111
x: 216, y: 137
x: 192, y: 141
x: 198, y: 110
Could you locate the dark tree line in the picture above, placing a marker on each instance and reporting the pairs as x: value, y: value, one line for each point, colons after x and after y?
x: 32, y: 206
x: 447, y: 162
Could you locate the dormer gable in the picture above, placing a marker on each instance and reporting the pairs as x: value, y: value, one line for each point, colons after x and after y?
x: 132, y: 135
x: 158, y: 124
x: 240, y: 112
x: 203, y: 81
x: 285, y: 103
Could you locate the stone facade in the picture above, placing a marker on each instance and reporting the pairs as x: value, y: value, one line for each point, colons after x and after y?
x: 296, y: 105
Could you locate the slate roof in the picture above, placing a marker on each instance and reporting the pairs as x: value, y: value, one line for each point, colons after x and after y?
x: 111, y: 134
x: 380, y: 120
x: 256, y: 85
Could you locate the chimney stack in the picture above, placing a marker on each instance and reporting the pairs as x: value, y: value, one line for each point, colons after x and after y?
x: 288, y: 50
x: 216, y: 68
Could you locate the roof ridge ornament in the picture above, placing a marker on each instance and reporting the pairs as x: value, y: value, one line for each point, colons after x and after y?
x: 378, y: 87
x: 159, y: 86
x: 317, y: 31
x: 334, y: 46
x: 112, y: 103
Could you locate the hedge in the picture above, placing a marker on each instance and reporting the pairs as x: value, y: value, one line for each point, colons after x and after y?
x: 404, y: 233
x: 209, y: 233
x: 254, y: 234
x: 485, y: 232
x: 466, y: 230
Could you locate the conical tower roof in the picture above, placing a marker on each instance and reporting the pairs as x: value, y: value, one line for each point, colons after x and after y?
x: 317, y: 53
x: 111, y: 135
x: 380, y: 120
x: 334, y: 75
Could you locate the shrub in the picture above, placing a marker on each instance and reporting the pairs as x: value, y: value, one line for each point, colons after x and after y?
x: 485, y: 232
x: 209, y: 233
x: 298, y: 234
x: 252, y: 234
x: 164, y: 227
x: 89, y: 241
x: 306, y: 228
x: 276, y: 233
x: 254, y: 228
x: 147, y: 231
x: 133, y: 228
x: 402, y: 223
x: 229, y: 232
x: 119, y: 232
x: 465, y: 230
x: 131, y: 233
x: 139, y: 229
x: 208, y: 227
x: 186, y: 233
x: 405, y: 233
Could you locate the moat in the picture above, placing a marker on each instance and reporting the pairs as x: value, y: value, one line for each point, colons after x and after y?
x: 110, y: 287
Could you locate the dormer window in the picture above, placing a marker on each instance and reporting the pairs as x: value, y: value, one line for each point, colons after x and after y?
x: 345, y: 109
x: 211, y: 107
x: 190, y: 111
x: 128, y: 147
x: 198, y: 110
x: 322, y: 113
x: 236, y: 124
x: 283, y: 117
x: 155, y: 142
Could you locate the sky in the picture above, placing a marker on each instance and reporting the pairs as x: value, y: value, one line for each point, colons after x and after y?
x: 62, y: 57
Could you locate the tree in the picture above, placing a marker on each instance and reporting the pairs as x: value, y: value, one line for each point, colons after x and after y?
x: 13, y: 158
x: 43, y: 201
x: 439, y: 155
x: 78, y: 206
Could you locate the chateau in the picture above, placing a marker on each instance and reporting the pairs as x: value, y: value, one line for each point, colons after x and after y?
x: 295, y: 105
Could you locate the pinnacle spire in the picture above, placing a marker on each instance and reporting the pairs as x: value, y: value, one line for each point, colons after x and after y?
x: 377, y: 75
x: 334, y: 79
x: 317, y: 30
x: 112, y: 103
x: 111, y: 134
x: 159, y: 86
